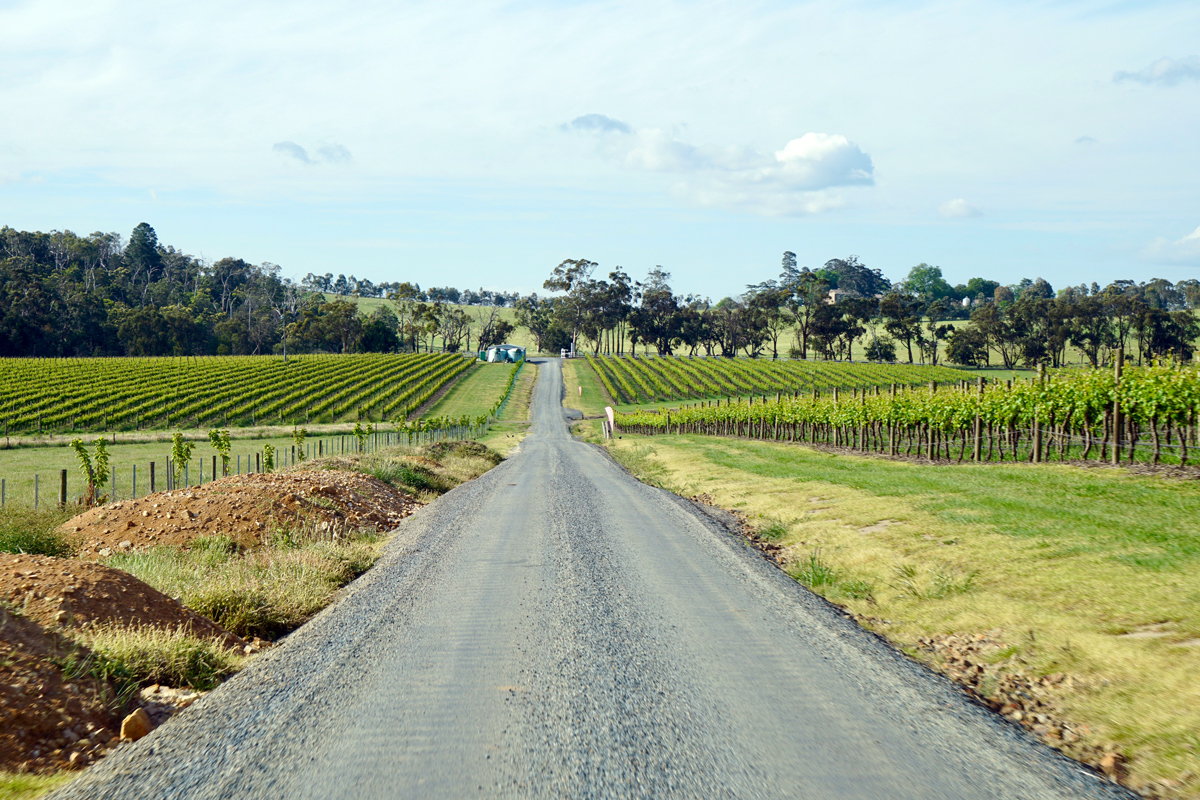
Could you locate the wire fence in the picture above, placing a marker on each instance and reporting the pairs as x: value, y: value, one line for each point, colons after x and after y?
x: 130, y: 479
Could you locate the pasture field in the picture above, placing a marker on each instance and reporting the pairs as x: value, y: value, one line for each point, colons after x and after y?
x: 131, y: 460
x: 70, y: 395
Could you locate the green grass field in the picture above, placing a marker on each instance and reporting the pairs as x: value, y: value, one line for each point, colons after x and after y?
x: 18, y: 466
x: 511, y: 423
x: 473, y: 393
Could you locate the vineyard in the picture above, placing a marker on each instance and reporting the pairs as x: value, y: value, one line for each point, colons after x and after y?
x: 64, y: 395
x: 651, y: 379
x: 1148, y: 414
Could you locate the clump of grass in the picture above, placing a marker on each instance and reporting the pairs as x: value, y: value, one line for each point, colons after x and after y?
x: 859, y: 590
x: 940, y: 583
x: 27, y: 785
x: 408, y: 468
x: 441, y: 451
x: 639, y: 460
x: 35, y: 531
x: 265, y: 592
x: 81, y: 661
x: 405, y: 475
x: 817, y: 572
x: 773, y: 530
x: 170, y: 657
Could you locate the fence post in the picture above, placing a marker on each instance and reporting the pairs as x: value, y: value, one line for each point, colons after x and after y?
x: 214, y: 472
x: 1118, y: 365
x: 114, y: 482
x: 35, y: 487
x: 151, y: 477
x: 1037, y: 418
x: 133, y: 493
x: 978, y: 451
x: 62, y: 489
x: 930, y: 452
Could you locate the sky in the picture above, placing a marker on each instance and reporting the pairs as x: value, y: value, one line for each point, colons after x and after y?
x: 479, y: 144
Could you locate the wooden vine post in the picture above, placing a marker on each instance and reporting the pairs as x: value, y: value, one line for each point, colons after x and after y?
x: 1037, y: 418
x: 1118, y: 365
x: 929, y: 426
x: 978, y: 449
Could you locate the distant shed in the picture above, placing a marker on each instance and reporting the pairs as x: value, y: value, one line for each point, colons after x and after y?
x: 502, y: 354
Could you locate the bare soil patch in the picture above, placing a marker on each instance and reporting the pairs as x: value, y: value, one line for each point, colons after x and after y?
x: 64, y: 592
x: 248, y: 509
x: 49, y: 718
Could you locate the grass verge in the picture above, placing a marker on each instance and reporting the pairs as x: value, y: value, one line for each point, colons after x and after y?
x: 1083, y: 573
x: 512, y: 424
x: 583, y: 389
x: 264, y: 592
x: 168, y: 657
x: 271, y: 590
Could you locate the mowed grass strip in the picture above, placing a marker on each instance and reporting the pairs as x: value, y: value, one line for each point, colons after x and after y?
x: 473, y: 393
x: 578, y: 373
x: 512, y: 423
x: 1093, y: 573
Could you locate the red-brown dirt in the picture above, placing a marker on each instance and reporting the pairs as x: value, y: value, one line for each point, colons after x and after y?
x: 60, y: 592
x: 48, y: 720
x: 247, y: 508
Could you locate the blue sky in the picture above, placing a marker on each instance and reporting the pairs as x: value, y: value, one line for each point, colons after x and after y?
x: 479, y: 144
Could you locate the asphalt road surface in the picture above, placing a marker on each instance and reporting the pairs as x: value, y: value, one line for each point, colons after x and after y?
x: 558, y: 629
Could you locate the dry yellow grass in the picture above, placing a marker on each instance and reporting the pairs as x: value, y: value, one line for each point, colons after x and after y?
x: 922, y: 550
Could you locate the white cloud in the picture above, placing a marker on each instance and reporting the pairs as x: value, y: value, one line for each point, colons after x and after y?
x: 1179, y: 251
x: 1085, y: 140
x: 326, y: 153
x: 794, y: 180
x: 597, y: 123
x: 820, y: 161
x: 958, y: 208
x: 1164, y: 72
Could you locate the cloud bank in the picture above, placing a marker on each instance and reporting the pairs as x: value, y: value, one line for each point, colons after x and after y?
x: 798, y: 179
x: 958, y: 208
x: 325, y: 154
x: 1180, y: 251
x: 1164, y: 72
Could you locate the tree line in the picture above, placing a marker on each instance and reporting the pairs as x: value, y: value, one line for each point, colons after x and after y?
x: 66, y: 295
x: 845, y: 308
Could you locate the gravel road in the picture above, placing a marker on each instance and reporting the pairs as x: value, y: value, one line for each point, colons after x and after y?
x: 557, y: 629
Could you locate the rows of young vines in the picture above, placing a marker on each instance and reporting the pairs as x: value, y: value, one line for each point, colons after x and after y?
x: 651, y: 379
x: 1150, y: 413
x: 58, y: 395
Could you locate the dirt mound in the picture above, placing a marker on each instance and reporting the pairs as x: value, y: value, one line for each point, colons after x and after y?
x: 55, y: 591
x: 48, y: 719
x: 247, y: 508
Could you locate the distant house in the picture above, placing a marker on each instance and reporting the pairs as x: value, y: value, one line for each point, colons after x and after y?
x: 834, y: 296
x: 502, y: 353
